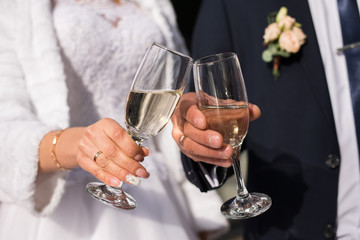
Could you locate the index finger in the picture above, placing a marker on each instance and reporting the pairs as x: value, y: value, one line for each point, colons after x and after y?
x: 122, y: 139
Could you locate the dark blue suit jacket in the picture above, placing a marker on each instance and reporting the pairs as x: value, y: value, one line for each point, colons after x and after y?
x: 293, y: 148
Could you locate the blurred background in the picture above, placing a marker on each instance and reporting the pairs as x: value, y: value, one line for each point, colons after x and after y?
x: 186, y: 12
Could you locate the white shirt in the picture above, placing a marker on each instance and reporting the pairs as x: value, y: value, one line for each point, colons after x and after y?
x: 327, y: 25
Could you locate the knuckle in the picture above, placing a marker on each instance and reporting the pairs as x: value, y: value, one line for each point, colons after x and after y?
x: 102, y: 161
x: 188, y: 112
x: 132, y: 166
x: 82, y: 159
x: 117, y: 134
x: 90, y: 131
x: 107, y: 120
x: 111, y: 151
x: 120, y: 173
x: 103, y: 121
x: 184, y: 144
x: 173, y: 133
x: 82, y: 144
x: 128, y: 165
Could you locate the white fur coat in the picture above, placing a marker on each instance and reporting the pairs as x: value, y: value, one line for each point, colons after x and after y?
x: 33, y: 101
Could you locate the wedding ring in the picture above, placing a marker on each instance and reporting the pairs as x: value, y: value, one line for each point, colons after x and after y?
x: 96, y: 155
x: 181, y: 141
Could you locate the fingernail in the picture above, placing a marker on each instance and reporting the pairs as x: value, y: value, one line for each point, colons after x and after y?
x: 115, y: 182
x: 214, y: 140
x: 145, y: 150
x: 139, y: 158
x: 142, y: 173
x: 132, y: 179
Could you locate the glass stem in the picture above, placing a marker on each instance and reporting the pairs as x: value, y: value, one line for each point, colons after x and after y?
x: 113, y: 191
x: 242, y: 192
x: 118, y: 188
x: 120, y: 185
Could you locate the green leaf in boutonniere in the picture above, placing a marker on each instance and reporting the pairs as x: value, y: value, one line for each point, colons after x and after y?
x: 283, y: 37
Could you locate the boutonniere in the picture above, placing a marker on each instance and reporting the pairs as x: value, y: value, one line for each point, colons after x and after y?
x: 283, y: 37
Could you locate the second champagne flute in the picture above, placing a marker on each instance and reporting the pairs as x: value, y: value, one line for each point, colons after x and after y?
x: 223, y: 100
x: 155, y: 92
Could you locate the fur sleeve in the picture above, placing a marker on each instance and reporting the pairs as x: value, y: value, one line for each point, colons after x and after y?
x: 21, y: 130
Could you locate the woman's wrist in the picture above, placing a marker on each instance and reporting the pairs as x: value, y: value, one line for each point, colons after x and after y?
x: 58, y: 149
x: 53, y: 151
x: 68, y: 146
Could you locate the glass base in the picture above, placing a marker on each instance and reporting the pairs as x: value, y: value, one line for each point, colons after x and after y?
x: 113, y: 197
x: 242, y: 208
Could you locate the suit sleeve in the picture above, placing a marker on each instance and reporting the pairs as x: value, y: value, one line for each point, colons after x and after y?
x: 211, y: 35
x: 197, y: 176
x: 212, y: 31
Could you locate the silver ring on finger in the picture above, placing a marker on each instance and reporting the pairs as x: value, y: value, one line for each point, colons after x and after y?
x: 97, y: 155
x: 181, y: 141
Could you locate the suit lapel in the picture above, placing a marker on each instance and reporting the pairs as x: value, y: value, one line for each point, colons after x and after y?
x: 309, y: 56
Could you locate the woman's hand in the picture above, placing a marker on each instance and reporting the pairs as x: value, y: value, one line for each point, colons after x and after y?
x: 117, y: 155
x: 117, y: 158
x: 195, y: 140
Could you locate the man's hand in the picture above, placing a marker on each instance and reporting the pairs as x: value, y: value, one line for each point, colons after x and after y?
x: 195, y: 140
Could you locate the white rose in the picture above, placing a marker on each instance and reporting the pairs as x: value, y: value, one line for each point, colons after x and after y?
x: 287, y: 22
x: 289, y: 42
x: 272, y: 32
x: 299, y: 34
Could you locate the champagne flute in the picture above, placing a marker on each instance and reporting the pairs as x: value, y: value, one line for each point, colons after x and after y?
x: 155, y: 92
x: 223, y: 100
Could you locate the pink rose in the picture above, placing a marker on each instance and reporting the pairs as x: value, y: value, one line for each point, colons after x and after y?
x: 272, y: 32
x: 289, y: 42
x: 287, y: 22
x: 283, y: 38
x: 299, y: 34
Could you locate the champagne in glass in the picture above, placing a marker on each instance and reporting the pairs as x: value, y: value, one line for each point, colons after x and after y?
x: 230, y: 120
x: 147, y: 112
x: 155, y: 92
x: 223, y: 100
